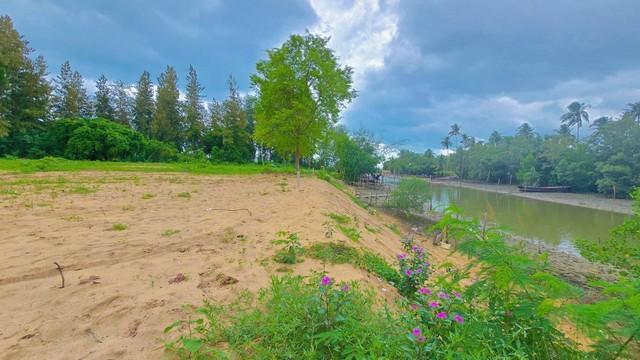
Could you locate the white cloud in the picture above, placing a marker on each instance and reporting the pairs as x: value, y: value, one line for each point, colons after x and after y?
x: 361, y: 34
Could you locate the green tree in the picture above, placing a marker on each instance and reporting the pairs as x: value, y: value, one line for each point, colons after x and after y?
x: 634, y: 111
x: 355, y: 155
x: 495, y: 138
x: 144, y: 105
x: 123, y: 104
x: 24, y: 90
x: 575, y: 116
x: 527, y: 173
x: 70, y: 99
x: 525, y: 131
x: 166, y: 124
x: 104, y: 98
x: 194, y: 111
x: 301, y: 90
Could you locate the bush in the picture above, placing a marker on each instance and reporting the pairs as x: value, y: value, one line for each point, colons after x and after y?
x: 410, y: 195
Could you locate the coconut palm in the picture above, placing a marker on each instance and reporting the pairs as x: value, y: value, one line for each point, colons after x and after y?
x: 446, y: 143
x: 575, y: 115
x: 634, y: 111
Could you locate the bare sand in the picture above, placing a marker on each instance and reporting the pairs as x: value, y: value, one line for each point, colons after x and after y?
x: 119, y: 292
x: 593, y: 201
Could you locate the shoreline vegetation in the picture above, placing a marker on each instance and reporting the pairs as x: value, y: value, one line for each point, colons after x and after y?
x: 587, y: 200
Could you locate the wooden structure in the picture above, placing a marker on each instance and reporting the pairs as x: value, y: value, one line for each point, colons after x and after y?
x: 525, y: 188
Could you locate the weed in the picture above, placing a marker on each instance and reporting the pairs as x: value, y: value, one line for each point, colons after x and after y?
x: 393, y: 227
x: 72, y: 218
x: 352, y: 233
x: 340, y: 219
x: 83, y: 190
x: 147, y: 196
x: 333, y: 253
x: 376, y: 264
x: 119, y: 227
x: 328, y: 229
x: 283, y: 185
x: 291, y: 250
x: 9, y: 192
x: 185, y: 195
x: 371, y: 229
x: 168, y: 233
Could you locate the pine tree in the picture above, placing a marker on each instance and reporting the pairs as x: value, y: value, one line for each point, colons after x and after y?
x: 70, y: 97
x: 122, y: 104
x: 167, y: 120
x: 144, y: 105
x: 103, y: 106
x: 24, y: 90
x: 194, y: 111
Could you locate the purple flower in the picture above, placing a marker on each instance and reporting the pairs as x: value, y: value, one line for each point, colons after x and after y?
x: 441, y: 315
x: 424, y: 291
x: 345, y: 287
x: 459, y: 319
x: 434, y: 304
x: 417, y: 333
x: 326, y: 281
x: 426, y: 263
x: 408, y: 272
x: 414, y: 307
x: 419, y: 270
x: 401, y: 256
x: 417, y: 249
x: 443, y: 295
x: 457, y: 294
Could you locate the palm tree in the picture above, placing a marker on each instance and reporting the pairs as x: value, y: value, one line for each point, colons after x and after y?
x: 454, y: 131
x: 634, y: 111
x: 600, y: 122
x: 446, y: 143
x: 575, y: 115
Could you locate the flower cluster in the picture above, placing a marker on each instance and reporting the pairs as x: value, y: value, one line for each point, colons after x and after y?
x: 439, y: 312
x: 414, y: 267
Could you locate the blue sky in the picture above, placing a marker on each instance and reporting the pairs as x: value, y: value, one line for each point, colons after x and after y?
x: 420, y: 65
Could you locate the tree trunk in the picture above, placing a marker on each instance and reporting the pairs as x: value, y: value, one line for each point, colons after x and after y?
x: 297, y: 157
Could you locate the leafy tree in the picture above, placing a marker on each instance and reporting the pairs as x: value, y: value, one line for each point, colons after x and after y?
x: 525, y: 131
x: 144, y: 105
x: 527, y: 173
x: 575, y: 116
x: 495, y: 138
x: 634, y: 111
x: 166, y: 124
x: 70, y: 97
x: 301, y: 90
x: 194, y: 111
x: 355, y: 155
x: 24, y: 90
x: 104, y: 97
x: 410, y: 195
x: 123, y: 104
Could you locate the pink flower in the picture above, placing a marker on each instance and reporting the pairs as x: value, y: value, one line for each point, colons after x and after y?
x: 419, y: 270
x: 401, y: 256
x: 443, y: 295
x: 326, y: 281
x: 457, y: 294
x: 414, y: 307
x: 434, y: 304
x: 345, y: 287
x: 417, y: 333
x: 426, y: 263
x: 408, y: 272
x: 424, y: 291
x: 441, y: 315
x: 459, y: 319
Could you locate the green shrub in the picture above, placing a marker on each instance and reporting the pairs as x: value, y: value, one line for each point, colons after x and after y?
x: 376, y: 264
x: 119, y: 227
x: 410, y: 195
x: 352, y: 233
x: 340, y: 219
x: 292, y: 249
x: 333, y: 253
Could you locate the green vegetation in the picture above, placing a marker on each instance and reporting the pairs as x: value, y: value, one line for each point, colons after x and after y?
x: 605, y: 161
x: 393, y: 227
x: 83, y: 190
x: 184, y: 195
x: 169, y: 233
x: 147, y: 196
x: 292, y: 249
x: 119, y: 227
x: 339, y: 218
x: 351, y: 233
x: 410, y: 195
x: 333, y: 253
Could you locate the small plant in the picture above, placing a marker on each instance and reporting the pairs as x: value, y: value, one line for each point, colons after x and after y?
x: 147, y: 196
x: 414, y: 268
x: 352, y: 233
x: 394, y: 228
x: 168, y: 233
x: 82, y: 190
x: 291, y: 250
x: 333, y: 253
x: 376, y: 264
x: 328, y: 229
x: 371, y: 229
x: 119, y: 227
x: 185, y: 195
x: 410, y: 195
x: 283, y: 185
x: 339, y: 219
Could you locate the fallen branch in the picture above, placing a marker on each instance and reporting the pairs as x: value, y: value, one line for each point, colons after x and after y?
x: 61, y: 275
x: 247, y: 210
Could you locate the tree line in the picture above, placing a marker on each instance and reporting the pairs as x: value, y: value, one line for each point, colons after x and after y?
x: 300, y: 92
x: 605, y: 161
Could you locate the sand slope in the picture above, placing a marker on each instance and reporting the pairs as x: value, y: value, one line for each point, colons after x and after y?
x: 118, y: 296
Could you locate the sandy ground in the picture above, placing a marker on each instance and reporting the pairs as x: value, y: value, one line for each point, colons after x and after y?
x: 592, y: 201
x: 118, y: 297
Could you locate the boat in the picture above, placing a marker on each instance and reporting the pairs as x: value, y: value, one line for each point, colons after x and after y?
x: 527, y: 188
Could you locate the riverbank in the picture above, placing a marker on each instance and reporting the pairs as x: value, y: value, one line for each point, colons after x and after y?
x: 592, y: 201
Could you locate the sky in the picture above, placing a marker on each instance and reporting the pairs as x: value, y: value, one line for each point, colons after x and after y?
x: 419, y: 65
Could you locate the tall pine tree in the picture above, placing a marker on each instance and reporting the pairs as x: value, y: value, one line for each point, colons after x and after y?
x: 122, y: 113
x: 103, y: 106
x: 144, y: 104
x: 167, y: 120
x: 24, y: 90
x: 194, y: 111
x: 70, y: 99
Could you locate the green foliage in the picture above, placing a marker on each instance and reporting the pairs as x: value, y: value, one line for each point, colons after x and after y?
x: 291, y: 248
x: 410, y: 163
x: 350, y: 232
x: 166, y: 123
x: 169, y: 233
x: 339, y: 218
x: 414, y: 268
x: 119, y: 227
x: 393, y: 227
x: 340, y: 186
x: 355, y: 155
x: 184, y: 195
x: 410, y: 195
x: 376, y: 264
x: 301, y: 91
x: 333, y: 253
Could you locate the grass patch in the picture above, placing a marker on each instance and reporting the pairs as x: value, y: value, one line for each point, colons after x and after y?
x: 119, y: 227
x: 147, y: 196
x: 323, y: 175
x: 83, y: 190
x: 393, y: 227
x: 352, y: 233
x: 185, y: 195
x: 168, y: 233
x: 193, y: 167
x: 333, y: 253
x: 9, y: 192
x: 376, y: 264
x: 72, y: 218
x: 340, y: 219
x: 371, y: 229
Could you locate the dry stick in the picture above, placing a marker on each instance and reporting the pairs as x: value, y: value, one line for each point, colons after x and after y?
x: 247, y: 210
x: 60, y: 271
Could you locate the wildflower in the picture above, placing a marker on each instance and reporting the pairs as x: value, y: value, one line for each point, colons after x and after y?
x: 441, y: 315
x: 401, y: 256
x: 417, y: 249
x: 419, y: 270
x: 414, y: 307
x: 426, y: 264
x: 424, y: 291
x: 457, y: 294
x: 434, y: 304
x: 417, y: 333
x: 443, y: 295
x: 408, y: 272
x: 345, y: 287
x: 326, y: 281
x: 459, y: 319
